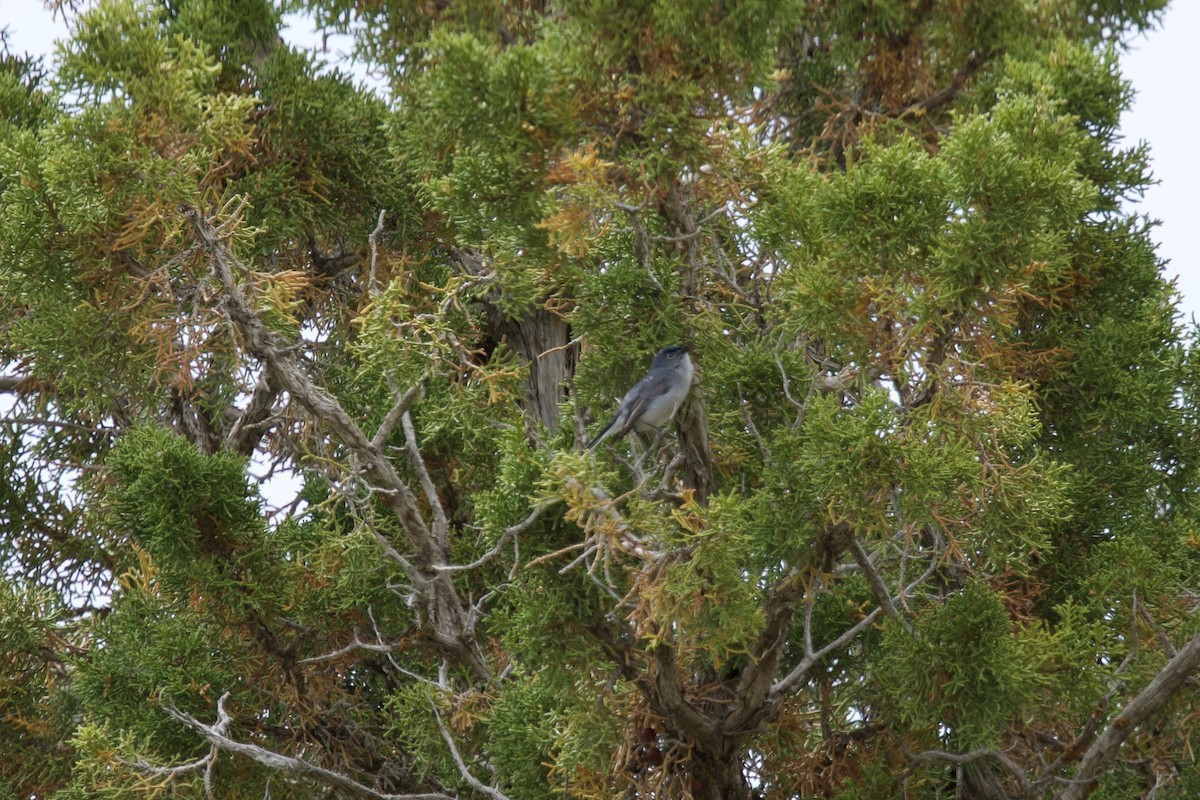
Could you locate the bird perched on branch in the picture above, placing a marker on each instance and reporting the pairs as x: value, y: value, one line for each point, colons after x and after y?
x: 653, y: 400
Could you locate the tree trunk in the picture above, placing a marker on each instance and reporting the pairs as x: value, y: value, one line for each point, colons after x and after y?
x: 692, y: 422
x: 720, y: 779
x: 543, y: 340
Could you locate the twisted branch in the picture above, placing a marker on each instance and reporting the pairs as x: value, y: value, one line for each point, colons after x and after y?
x: 443, y: 614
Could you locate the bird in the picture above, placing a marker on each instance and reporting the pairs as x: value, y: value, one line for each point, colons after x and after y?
x: 653, y: 401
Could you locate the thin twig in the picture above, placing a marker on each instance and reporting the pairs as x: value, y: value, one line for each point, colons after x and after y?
x: 373, y: 241
x: 811, y: 657
x: 55, y: 423
x: 551, y: 556
x: 441, y: 525
x: 471, y: 780
x: 247, y: 430
x: 403, y: 403
x: 981, y: 754
x: 505, y: 537
x: 356, y: 644
x: 876, y: 582
x: 566, y: 346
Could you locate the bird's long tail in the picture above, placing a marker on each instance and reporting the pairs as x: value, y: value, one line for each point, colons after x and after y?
x: 602, y: 435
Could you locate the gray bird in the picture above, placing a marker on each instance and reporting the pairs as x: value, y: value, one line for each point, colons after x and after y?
x: 653, y: 400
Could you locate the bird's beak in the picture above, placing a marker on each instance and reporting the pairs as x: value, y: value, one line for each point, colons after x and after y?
x: 687, y: 347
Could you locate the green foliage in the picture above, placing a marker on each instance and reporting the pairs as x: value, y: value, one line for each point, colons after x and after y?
x: 706, y: 598
x: 936, y: 360
x: 1069, y: 680
x: 36, y: 698
x: 340, y: 162
x: 178, y: 501
x: 957, y: 675
x: 522, y: 728
x: 160, y: 653
x: 23, y: 97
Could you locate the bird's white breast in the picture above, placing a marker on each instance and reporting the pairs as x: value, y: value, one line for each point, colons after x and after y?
x: 661, y: 409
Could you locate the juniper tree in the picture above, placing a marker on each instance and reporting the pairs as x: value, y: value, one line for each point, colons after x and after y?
x: 925, y: 526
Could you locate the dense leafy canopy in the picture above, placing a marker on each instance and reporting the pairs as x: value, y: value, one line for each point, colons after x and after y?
x: 926, y: 526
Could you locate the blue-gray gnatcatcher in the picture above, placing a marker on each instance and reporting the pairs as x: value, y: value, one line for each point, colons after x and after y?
x: 653, y: 400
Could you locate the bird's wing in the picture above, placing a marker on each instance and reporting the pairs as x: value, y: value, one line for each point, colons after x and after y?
x: 660, y: 398
x: 642, y: 394
x: 632, y: 405
x: 641, y: 398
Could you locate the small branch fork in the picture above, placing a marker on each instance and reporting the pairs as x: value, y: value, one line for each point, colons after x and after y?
x: 758, y: 693
x: 983, y: 754
x: 400, y: 409
x: 887, y: 605
x: 355, y: 644
x: 251, y: 424
x: 165, y: 776
x: 217, y: 735
x: 505, y: 537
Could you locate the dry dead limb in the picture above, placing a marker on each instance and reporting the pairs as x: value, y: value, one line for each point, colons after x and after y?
x: 218, y: 736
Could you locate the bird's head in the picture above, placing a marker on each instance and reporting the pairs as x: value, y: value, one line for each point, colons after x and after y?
x: 671, y: 357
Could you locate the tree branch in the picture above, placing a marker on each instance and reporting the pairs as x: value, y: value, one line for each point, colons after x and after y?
x: 668, y: 696
x: 215, y: 734
x: 471, y: 780
x: 789, y: 681
x: 874, y: 579
x: 754, y: 683
x: 373, y: 241
x: 55, y: 423
x: 812, y: 657
x: 356, y: 644
x: 505, y: 537
x: 399, y: 408
x: 444, y: 616
x: 247, y: 431
x: 441, y: 525
x: 1148, y: 701
x: 981, y: 754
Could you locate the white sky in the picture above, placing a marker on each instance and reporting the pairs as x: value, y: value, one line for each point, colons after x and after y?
x: 1162, y: 66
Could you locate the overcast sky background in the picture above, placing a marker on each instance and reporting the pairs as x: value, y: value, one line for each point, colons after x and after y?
x: 1163, y: 66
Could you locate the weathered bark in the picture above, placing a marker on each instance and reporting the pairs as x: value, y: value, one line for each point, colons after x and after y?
x: 541, y: 337
x: 692, y: 421
x: 721, y: 779
x: 543, y: 340
x: 444, y: 616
